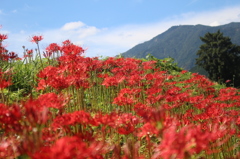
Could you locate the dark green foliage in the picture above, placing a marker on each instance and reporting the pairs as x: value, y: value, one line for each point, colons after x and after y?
x: 219, y: 57
x: 199, y: 70
x: 24, y: 76
x: 166, y: 64
x: 181, y: 43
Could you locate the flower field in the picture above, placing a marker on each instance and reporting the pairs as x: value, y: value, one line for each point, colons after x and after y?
x: 67, y: 106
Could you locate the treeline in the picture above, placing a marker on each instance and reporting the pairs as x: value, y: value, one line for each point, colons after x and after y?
x: 220, y: 58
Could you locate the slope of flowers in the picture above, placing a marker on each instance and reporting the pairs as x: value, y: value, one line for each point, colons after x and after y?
x: 127, y: 108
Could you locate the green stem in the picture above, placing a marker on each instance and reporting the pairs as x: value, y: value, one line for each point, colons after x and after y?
x: 39, y: 55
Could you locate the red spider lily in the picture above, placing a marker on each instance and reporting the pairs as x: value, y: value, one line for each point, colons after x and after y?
x: 36, y: 39
x: 30, y: 52
x: 126, y: 123
x: 184, y: 122
x: 36, y: 113
x: 121, y: 100
x: 77, y: 117
x: 52, y: 100
x: 238, y: 121
x: 184, y: 71
x: 227, y: 81
x: 25, y: 56
x: 73, y: 147
x: 3, y: 50
x: 105, y: 119
x: 80, y: 83
x: 42, y: 85
x: 126, y: 96
x: 8, y: 147
x: 227, y: 94
x: 128, y: 67
x: 149, y: 65
x: 37, y: 109
x: 53, y: 47
x: 70, y: 49
x: 54, y: 77
x: 110, y: 63
x: 135, y: 80
x: 3, y: 37
x: 12, y: 55
x: 112, y: 81
x: 74, y: 73
x: 150, y: 114
x: 3, y: 54
x: 10, y: 117
x: 4, y: 82
x: 66, y: 42
x: 183, y: 143
x: 147, y: 129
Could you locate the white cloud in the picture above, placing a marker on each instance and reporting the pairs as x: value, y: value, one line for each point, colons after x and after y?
x: 215, y: 23
x: 112, y: 41
x: 2, y: 31
x: 88, y: 31
x: 72, y: 25
x: 125, y: 37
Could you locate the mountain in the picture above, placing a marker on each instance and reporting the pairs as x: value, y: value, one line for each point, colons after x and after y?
x: 182, y: 43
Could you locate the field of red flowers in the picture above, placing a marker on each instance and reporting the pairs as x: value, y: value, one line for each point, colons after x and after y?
x: 119, y: 108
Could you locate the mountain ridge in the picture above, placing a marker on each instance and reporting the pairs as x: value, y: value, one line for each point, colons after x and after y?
x: 182, y: 43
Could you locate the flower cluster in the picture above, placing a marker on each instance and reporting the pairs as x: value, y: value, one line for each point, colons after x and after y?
x: 89, y: 108
x: 4, y: 54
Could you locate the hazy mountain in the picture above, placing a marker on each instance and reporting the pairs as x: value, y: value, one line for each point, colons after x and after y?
x: 182, y: 43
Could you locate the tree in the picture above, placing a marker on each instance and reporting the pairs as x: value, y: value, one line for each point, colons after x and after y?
x: 220, y: 58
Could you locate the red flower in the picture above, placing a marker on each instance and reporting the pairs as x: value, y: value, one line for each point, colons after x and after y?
x: 77, y: 117
x: 3, y: 82
x: 12, y: 55
x: 126, y: 96
x: 71, y: 49
x: 66, y: 42
x: 29, y: 52
x: 72, y: 147
x: 10, y: 117
x: 227, y: 81
x: 36, y: 39
x: 36, y: 113
x: 149, y: 65
x: 184, y: 71
x: 3, y: 37
x: 53, y: 47
x: 147, y: 129
x: 52, y: 100
x: 182, y: 143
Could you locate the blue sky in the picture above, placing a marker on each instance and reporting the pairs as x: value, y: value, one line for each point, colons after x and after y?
x: 105, y: 27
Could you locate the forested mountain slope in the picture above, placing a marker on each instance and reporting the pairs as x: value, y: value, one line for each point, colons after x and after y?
x: 182, y: 43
